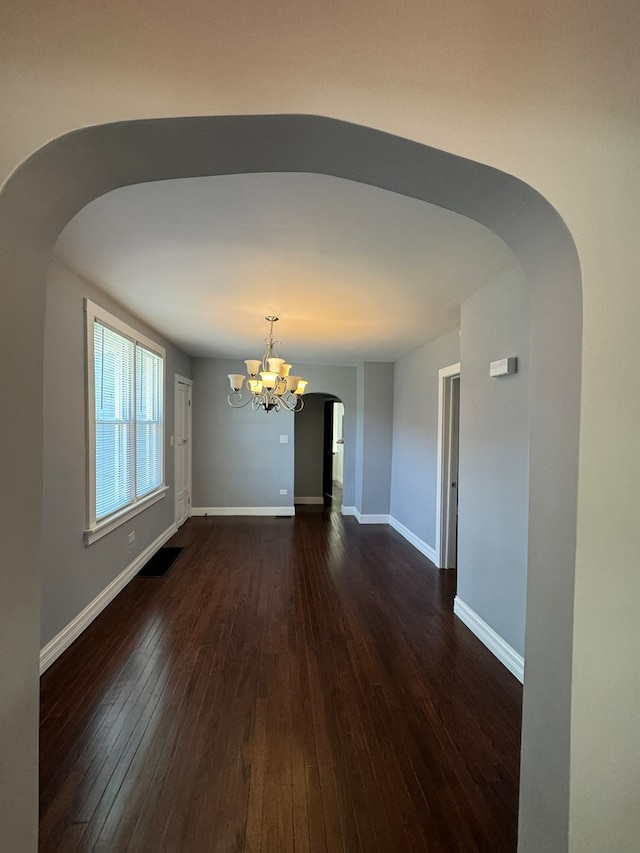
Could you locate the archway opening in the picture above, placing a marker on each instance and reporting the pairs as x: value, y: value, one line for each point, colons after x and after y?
x: 319, y: 445
x: 59, y: 179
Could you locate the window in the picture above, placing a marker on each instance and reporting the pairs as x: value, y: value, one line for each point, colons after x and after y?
x: 125, y: 374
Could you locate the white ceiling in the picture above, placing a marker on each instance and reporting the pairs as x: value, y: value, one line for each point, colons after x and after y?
x: 354, y: 272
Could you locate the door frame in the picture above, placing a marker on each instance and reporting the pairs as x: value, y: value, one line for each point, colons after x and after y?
x: 327, y: 451
x: 445, y: 377
x: 182, y: 380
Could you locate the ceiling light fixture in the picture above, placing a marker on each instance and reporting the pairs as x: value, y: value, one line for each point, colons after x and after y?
x: 274, y: 389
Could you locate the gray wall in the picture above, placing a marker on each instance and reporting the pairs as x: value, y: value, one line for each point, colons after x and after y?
x: 494, y: 452
x: 240, y: 462
x: 309, y: 435
x: 493, y: 494
x: 73, y: 573
x: 375, y: 414
x: 415, y: 435
x: 238, y: 458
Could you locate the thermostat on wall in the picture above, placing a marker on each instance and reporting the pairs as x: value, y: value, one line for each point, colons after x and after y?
x: 504, y: 366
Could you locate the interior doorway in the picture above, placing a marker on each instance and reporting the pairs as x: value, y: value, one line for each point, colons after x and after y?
x: 318, y: 455
x: 182, y: 448
x: 447, y: 474
x: 333, y: 451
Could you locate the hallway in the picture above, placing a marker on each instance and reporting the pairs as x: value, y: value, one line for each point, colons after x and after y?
x: 292, y: 684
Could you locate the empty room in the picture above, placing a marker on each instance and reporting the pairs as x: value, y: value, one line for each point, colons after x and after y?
x: 364, y: 576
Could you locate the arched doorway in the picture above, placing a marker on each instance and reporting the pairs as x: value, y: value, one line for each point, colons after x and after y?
x: 59, y: 179
x: 319, y: 442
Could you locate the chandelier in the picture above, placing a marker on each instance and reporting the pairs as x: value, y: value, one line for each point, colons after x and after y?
x: 275, y: 388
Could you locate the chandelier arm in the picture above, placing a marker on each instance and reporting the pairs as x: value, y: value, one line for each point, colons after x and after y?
x: 237, y: 402
x: 270, y: 352
x: 292, y: 403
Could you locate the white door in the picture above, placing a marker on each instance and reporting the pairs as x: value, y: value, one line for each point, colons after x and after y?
x: 447, y: 473
x: 182, y: 449
x: 338, y: 442
x: 451, y: 535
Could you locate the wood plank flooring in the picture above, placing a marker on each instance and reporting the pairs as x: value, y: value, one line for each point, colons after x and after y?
x: 292, y: 685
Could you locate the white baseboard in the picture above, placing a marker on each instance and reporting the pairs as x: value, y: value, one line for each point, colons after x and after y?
x: 372, y: 518
x: 493, y: 641
x: 243, y: 510
x: 364, y: 518
x: 312, y: 500
x: 63, y: 640
x: 417, y: 543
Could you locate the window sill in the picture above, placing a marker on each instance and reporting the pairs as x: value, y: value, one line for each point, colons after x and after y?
x: 102, y: 528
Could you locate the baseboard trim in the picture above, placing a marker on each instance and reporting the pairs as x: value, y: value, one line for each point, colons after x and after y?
x: 365, y: 518
x: 418, y: 544
x: 493, y: 641
x: 61, y: 642
x: 243, y: 510
x: 371, y: 518
x: 311, y: 500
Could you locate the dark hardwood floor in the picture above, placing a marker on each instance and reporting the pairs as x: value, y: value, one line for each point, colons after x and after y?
x: 290, y: 685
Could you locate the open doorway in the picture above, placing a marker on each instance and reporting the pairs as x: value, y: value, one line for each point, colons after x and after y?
x: 319, y: 444
x: 180, y: 147
x: 447, y: 474
x: 332, y: 452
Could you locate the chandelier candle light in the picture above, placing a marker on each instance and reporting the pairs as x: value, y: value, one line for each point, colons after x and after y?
x: 274, y: 388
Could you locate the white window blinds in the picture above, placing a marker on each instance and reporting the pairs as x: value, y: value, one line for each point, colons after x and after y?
x: 148, y: 421
x: 128, y: 380
x: 113, y: 359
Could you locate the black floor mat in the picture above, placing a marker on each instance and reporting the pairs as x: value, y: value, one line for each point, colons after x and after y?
x: 160, y: 563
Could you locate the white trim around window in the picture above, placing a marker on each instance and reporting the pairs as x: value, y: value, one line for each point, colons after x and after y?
x: 144, y: 401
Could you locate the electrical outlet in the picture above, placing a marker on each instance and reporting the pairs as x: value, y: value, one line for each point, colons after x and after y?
x: 284, y: 439
x: 284, y: 491
x: 132, y: 537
